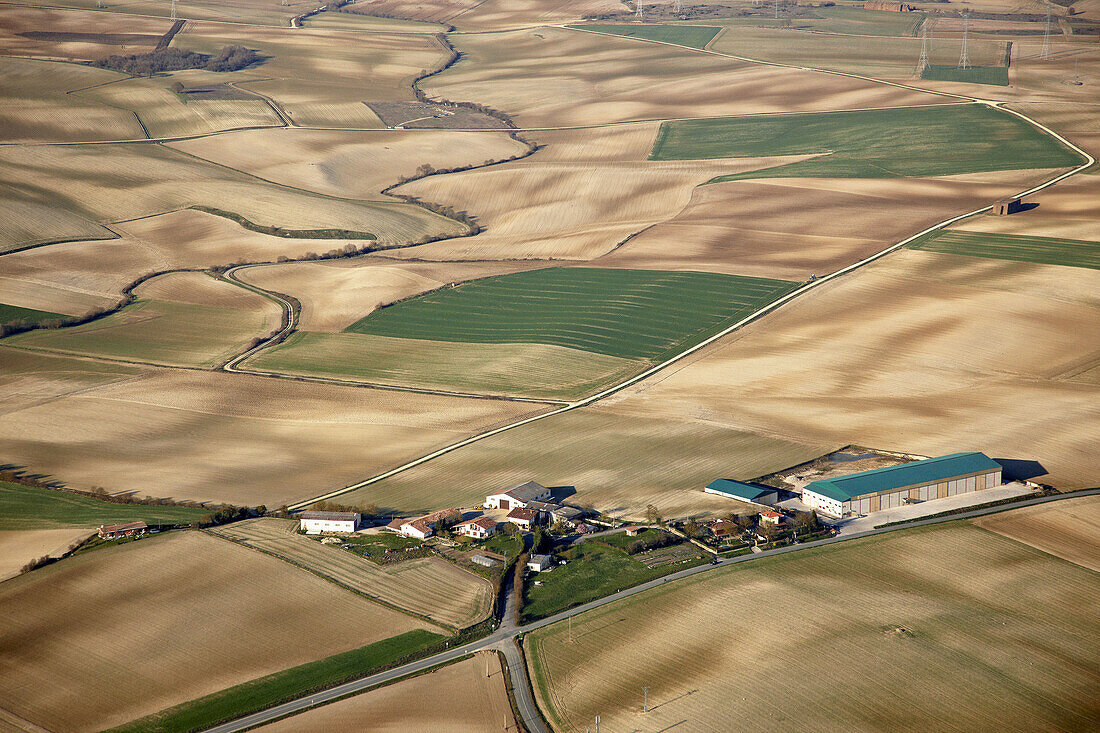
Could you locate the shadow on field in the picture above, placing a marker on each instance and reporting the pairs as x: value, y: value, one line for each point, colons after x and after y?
x: 1013, y: 469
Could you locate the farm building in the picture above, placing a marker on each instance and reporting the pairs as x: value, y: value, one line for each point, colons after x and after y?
x: 886, y: 488
x: 567, y: 515
x: 1004, y: 207
x: 317, y: 522
x: 479, y: 528
x: 484, y: 561
x: 523, y: 517
x: 517, y: 496
x: 538, y: 563
x: 770, y: 517
x: 117, y: 531
x: 742, y: 491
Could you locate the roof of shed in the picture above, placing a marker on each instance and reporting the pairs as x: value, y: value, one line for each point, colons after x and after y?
x: 928, y: 471
x: 739, y: 489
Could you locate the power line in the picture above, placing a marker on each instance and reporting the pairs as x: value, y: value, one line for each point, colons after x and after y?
x: 1047, y: 50
x: 964, y: 56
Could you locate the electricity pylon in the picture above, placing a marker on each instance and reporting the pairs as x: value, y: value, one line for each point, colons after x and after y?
x: 1047, y: 50
x: 964, y: 55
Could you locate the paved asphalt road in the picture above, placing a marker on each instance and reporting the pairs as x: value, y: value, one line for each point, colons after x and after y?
x: 503, y: 639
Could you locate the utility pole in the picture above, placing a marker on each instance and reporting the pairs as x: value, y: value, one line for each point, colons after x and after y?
x: 638, y: 9
x: 1046, y: 52
x: 964, y: 55
x: 175, y: 15
x: 597, y: 724
x: 777, y: 9
x: 645, y: 699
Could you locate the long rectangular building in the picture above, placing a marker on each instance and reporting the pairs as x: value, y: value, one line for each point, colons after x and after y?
x: 886, y: 488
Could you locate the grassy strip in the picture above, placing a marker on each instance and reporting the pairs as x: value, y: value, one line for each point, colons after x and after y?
x: 9, y: 313
x: 881, y: 143
x: 992, y: 75
x: 288, y: 684
x: 30, y: 507
x: 692, y: 36
x: 1041, y: 250
x: 592, y: 571
x: 632, y: 314
x: 288, y: 233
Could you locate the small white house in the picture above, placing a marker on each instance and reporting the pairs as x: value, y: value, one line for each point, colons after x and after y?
x: 318, y: 522
x: 538, y: 563
x: 517, y: 496
x: 479, y: 528
x: 418, y: 528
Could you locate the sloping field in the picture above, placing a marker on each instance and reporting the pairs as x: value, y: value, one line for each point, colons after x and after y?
x: 76, y: 277
x: 163, y: 113
x: 503, y: 14
x: 36, y: 105
x: 872, y: 144
x: 458, y: 698
x: 909, y: 354
x: 555, y: 205
x: 881, y: 57
x: 336, y: 293
x: 429, y: 586
x: 28, y: 378
x: 634, y: 314
x: 31, y: 508
x: 25, y: 222
x: 547, y: 77
x: 227, y: 437
x: 18, y: 547
x: 115, y: 182
x: 53, y: 33
x: 792, y: 228
x: 872, y: 634
x: 180, y: 319
x: 323, y: 77
x: 618, y: 461
x: 262, y: 12
x: 1067, y: 529
x: 692, y: 36
x: 349, y: 164
x: 520, y: 370
x: 1032, y: 75
x: 201, y: 602
x: 1044, y: 250
x: 9, y: 313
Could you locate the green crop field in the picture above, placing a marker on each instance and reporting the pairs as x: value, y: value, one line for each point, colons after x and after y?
x: 1043, y: 250
x: 994, y: 75
x: 692, y: 36
x: 9, y: 313
x: 532, y: 370
x: 591, y: 571
x: 880, y: 143
x: 28, y: 507
x: 158, y: 331
x: 286, y: 685
x: 634, y: 314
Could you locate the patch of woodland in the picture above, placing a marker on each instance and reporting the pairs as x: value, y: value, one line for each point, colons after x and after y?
x: 230, y: 58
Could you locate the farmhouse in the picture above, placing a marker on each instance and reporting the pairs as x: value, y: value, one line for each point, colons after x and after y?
x: 886, y: 488
x: 517, y: 496
x: 317, y: 522
x: 523, y: 517
x: 418, y: 528
x: 567, y: 515
x: 117, y: 531
x: 478, y: 528
x: 742, y: 491
x: 770, y: 517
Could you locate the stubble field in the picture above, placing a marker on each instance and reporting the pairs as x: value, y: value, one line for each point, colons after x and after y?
x: 1068, y: 529
x: 429, y: 587
x: 23, y: 545
x: 226, y: 437
x: 105, y: 661
x: 458, y: 698
x: 873, y: 633
x: 180, y: 319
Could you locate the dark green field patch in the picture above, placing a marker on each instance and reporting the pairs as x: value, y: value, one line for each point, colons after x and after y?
x: 1042, y: 250
x: 11, y: 313
x: 634, y: 314
x: 881, y: 143
x: 994, y: 75
x: 29, y: 507
x: 692, y: 36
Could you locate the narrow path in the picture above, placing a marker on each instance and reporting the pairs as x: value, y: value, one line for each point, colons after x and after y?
x: 504, y: 639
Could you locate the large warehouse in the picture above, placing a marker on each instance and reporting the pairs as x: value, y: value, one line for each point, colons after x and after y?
x: 886, y: 488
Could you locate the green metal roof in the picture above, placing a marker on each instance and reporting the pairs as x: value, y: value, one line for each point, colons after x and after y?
x: 738, y: 489
x: 917, y: 473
